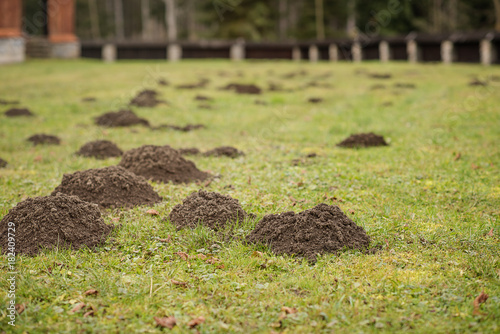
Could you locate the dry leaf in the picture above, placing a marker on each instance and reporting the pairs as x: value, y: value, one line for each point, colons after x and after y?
x: 181, y: 284
x: 490, y: 233
x: 77, y: 307
x: 478, y: 301
x: 257, y: 254
x: 152, y: 212
x: 168, y: 239
x: 289, y: 310
x: 20, y: 308
x: 90, y: 292
x: 38, y: 158
x: 89, y: 314
x: 196, y: 321
x: 351, y: 211
x: 166, y: 322
x: 202, y: 256
x: 474, y: 166
x: 183, y: 255
x: 221, y: 266
x: 457, y: 156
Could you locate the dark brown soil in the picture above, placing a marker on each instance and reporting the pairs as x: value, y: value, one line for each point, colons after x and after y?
x: 189, y: 151
x: 260, y: 103
x: 274, y: 87
x: 477, y: 82
x: 243, y: 89
x: 7, y: 102
x: 146, y: 98
x: 16, y: 112
x: 380, y: 75
x: 205, y: 106
x: 209, y: 209
x: 405, y: 85
x: 201, y: 84
x: 162, y: 164
x: 202, y: 98
x: 186, y: 128
x: 119, y: 119
x: 54, y: 221
x: 41, y: 139
x: 320, y: 230
x: 109, y: 187
x: 100, y: 149
x: 363, y: 140
x: 89, y: 99
x: 3, y: 163
x: 163, y: 82
x: 224, y: 151
x: 377, y: 86
x: 315, y: 100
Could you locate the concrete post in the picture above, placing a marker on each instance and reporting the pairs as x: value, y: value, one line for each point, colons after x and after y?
x: 296, y: 56
x: 108, y: 53
x: 488, y: 52
x: 447, y: 52
x: 313, y: 53
x: 333, y: 52
x: 384, y: 51
x: 174, y: 52
x: 413, y: 52
x: 237, y: 51
x: 356, y: 51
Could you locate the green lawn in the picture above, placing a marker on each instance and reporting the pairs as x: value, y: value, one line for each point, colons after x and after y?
x: 429, y: 212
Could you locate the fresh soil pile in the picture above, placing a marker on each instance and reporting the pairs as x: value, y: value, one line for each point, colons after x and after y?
x: 54, y: 221
x: 89, y: 99
x: 380, y: 75
x: 377, y: 86
x: 100, y: 149
x: 202, y: 98
x: 260, y: 103
x: 6, y: 102
x: 205, y: 106
x: 109, y: 187
x: 201, y: 84
x: 16, y: 112
x: 243, y: 89
x: 226, y: 151
x: 209, y: 209
x: 3, y: 163
x: 40, y: 139
x: 120, y: 118
x: 162, y: 164
x: 315, y: 100
x: 405, y: 85
x: 320, y: 230
x: 146, y: 98
x: 363, y: 140
x: 186, y: 128
x: 163, y: 82
x: 477, y: 82
x: 189, y: 151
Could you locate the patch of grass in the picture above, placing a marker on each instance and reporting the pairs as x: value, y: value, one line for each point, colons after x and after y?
x: 429, y: 199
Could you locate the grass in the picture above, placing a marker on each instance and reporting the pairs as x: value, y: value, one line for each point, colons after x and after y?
x: 429, y: 211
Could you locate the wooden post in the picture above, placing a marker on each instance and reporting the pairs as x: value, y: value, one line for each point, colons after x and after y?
x: 108, y: 53
x: 313, y: 53
x: 384, y: 51
x: 174, y: 52
x: 488, y: 52
x: 357, y: 55
x: 447, y: 52
x: 413, y: 51
x: 333, y: 52
x: 296, y: 56
x: 237, y: 51
x: 12, y: 45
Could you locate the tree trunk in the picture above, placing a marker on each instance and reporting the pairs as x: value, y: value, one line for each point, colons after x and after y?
x: 191, y: 19
x: 283, y: 20
x: 453, y: 12
x: 119, y: 26
x: 320, y: 20
x: 351, y: 18
x: 497, y: 14
x: 170, y: 18
x: 145, y: 18
x: 94, y: 19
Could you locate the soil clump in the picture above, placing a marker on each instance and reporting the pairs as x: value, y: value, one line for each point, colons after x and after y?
x: 16, y: 112
x: 363, y: 140
x: 120, y: 118
x: 100, y: 149
x: 41, y: 139
x: 224, y: 151
x: 146, y: 98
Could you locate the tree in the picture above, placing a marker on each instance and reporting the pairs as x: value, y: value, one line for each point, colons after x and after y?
x: 145, y: 19
x: 497, y: 14
x: 320, y: 24
x: 94, y: 19
x: 119, y: 21
x: 171, y: 20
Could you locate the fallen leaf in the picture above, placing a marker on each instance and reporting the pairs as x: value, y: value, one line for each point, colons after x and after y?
x: 289, y: 310
x: 77, y: 307
x: 90, y: 292
x: 457, y: 156
x: 168, y: 239
x: 152, y: 212
x: 183, y: 255
x: 89, y: 314
x: 20, y: 308
x: 38, y: 158
x: 490, y: 233
x: 166, y: 322
x: 257, y: 254
x: 196, y: 321
x: 351, y: 211
x: 478, y: 301
x: 474, y: 166
x: 181, y: 284
x: 221, y: 266
x: 249, y: 180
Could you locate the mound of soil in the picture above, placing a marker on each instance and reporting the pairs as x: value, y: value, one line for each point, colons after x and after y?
x: 210, y: 209
x: 16, y: 112
x: 201, y: 84
x: 54, y: 221
x: 89, y: 99
x: 186, y: 128
x: 189, y: 151
x: 405, y: 85
x: 3, y: 163
x: 322, y: 229
x: 260, y: 103
x: 380, y: 75
x: 226, y: 151
x: 205, y: 106
x: 100, y: 149
x: 146, y: 98
x: 363, y: 140
x: 163, y: 82
x: 243, y: 89
x: 377, y: 86
x: 202, y: 98
x: 477, y: 82
x: 40, y: 139
x: 315, y: 100
x: 6, y: 102
x: 120, y: 118
x: 109, y: 187
x: 162, y: 164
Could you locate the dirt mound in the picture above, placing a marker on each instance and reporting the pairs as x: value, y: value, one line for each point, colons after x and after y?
x: 100, y: 149
x: 6, y: 102
x: 477, y: 82
x: 380, y: 75
x: 54, y: 221
x: 202, y: 98
x: 315, y: 100
x: 146, y: 98
x: 226, y: 151
x: 120, y: 118
x: 189, y: 151
x: 363, y: 140
x: 109, y: 187
x: 405, y: 85
x: 163, y: 82
x: 3, y: 163
x: 162, y: 164
x: 322, y: 229
x: 186, y: 128
x: 89, y: 99
x: 201, y: 84
x: 243, y: 89
x: 16, y: 112
x: 40, y: 139
x: 210, y: 209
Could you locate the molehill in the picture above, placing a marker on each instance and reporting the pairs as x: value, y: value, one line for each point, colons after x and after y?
x: 100, y: 149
